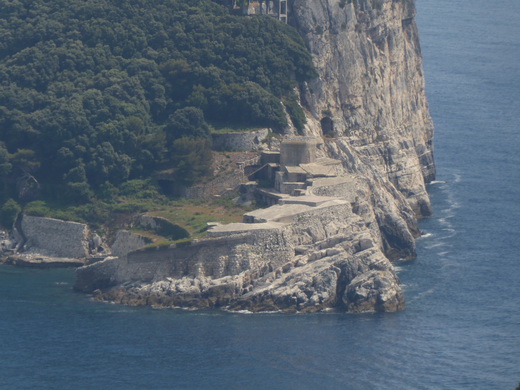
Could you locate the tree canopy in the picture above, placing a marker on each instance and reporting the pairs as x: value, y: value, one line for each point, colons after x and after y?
x: 96, y: 91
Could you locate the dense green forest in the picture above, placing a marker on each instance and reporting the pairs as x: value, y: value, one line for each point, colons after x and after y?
x: 94, y: 93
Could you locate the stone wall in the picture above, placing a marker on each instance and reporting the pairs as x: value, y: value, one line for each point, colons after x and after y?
x: 53, y: 237
x: 295, y: 152
x: 214, y: 258
x: 126, y: 242
x: 239, y: 141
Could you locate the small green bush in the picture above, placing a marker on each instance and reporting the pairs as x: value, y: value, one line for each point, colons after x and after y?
x: 8, y: 213
x: 129, y: 207
x: 157, y: 246
x: 37, y: 208
x: 296, y: 113
x: 108, y: 192
x: 78, y: 193
x: 183, y: 243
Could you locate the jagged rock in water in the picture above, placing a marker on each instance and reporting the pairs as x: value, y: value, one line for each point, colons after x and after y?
x: 373, y: 291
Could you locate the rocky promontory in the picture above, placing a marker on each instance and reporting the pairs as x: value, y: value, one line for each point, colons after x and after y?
x: 345, y: 198
x: 331, y: 245
x: 313, y: 254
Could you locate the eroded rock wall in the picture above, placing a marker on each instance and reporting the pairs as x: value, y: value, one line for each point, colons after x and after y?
x: 126, y: 242
x: 370, y: 92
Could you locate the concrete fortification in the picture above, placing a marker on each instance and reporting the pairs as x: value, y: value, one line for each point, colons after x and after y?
x: 347, y: 204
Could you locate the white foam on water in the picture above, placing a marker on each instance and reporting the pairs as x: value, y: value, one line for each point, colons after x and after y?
x: 437, y: 245
x: 457, y: 178
x: 422, y: 295
x: 240, y: 311
x: 450, y: 235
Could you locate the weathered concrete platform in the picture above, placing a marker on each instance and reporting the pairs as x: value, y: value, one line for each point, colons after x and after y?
x: 237, y: 228
x: 307, y: 200
x: 39, y: 261
x: 285, y: 213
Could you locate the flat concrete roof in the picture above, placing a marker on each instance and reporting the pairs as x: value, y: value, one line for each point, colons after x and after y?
x: 295, y: 169
x: 272, y: 192
x: 318, y: 170
x: 308, y: 200
x: 285, y: 212
x: 327, y: 161
x: 303, y: 139
x: 322, y: 167
x: 239, y: 227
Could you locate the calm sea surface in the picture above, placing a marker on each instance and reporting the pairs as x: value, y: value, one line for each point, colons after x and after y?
x: 461, y: 329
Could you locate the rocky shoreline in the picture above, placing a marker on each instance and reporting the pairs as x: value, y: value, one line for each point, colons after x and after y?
x: 39, y: 261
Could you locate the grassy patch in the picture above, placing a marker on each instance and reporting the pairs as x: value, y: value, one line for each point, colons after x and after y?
x: 161, y: 244
x: 220, y: 129
x: 194, y: 215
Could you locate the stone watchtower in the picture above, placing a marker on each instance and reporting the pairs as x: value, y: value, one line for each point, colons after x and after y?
x: 293, y: 170
x: 291, y: 177
x: 296, y: 152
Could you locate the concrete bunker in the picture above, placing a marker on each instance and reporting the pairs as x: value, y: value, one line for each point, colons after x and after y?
x: 290, y: 171
x: 296, y: 152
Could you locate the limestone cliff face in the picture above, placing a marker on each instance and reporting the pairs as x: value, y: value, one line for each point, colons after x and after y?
x: 370, y: 91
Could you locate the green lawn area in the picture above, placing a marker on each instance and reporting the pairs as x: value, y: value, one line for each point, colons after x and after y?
x: 220, y: 129
x: 194, y: 215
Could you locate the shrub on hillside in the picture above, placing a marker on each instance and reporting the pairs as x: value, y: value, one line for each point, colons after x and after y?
x: 8, y: 213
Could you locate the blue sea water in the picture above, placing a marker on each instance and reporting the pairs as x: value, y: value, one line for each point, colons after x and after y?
x: 461, y: 328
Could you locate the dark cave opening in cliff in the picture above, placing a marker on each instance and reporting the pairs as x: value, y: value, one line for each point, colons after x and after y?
x: 327, y: 127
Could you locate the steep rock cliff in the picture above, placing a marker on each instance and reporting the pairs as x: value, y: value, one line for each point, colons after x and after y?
x: 370, y: 91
